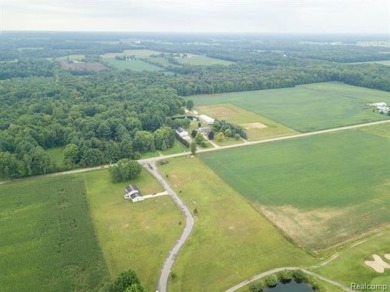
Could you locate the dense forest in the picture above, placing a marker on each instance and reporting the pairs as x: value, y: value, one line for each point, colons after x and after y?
x: 103, y: 116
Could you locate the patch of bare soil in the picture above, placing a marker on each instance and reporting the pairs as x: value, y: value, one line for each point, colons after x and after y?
x: 218, y: 111
x: 378, y: 264
x: 256, y: 125
x: 310, y: 229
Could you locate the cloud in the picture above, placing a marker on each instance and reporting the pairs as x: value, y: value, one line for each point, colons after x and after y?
x: 368, y: 16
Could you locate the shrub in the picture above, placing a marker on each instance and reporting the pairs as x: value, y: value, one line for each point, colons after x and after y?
x: 271, y: 281
x: 256, y: 287
x: 299, y: 276
x: 285, y: 276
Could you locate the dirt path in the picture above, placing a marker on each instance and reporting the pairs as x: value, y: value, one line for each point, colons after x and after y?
x: 162, y: 285
x: 270, y: 272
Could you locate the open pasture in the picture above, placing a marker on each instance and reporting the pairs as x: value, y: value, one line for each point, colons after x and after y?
x: 136, y: 236
x: 386, y: 63
x: 141, y: 53
x: 231, y: 241
x: 307, y: 107
x: 130, y: 53
x: 134, y: 65
x: 48, y: 241
x: 320, y: 190
x: 77, y: 58
x: 257, y: 127
x: 200, y: 60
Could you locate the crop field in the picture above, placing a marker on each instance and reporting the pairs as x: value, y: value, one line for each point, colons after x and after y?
x: 79, y: 58
x: 141, y: 53
x: 387, y: 63
x: 199, y: 60
x: 231, y: 241
x: 136, y: 236
x: 129, y: 53
x: 257, y: 127
x: 83, y: 66
x: 134, y: 65
x: 315, y: 186
x: 354, y: 257
x: 48, y: 241
x: 307, y: 107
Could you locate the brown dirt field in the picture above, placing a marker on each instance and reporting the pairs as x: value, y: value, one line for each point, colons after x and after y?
x: 251, y: 126
x: 306, y: 228
x: 219, y: 111
x: 83, y: 66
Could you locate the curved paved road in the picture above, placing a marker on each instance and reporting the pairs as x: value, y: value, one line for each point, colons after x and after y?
x: 270, y: 272
x: 162, y: 285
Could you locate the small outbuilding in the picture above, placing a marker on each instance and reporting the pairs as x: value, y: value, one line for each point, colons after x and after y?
x: 133, y: 193
x: 181, y: 132
x: 208, y: 120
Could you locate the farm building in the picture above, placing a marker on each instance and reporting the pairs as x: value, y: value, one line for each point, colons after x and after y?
x: 378, y: 105
x: 204, y: 130
x: 181, y: 132
x: 133, y: 193
x: 208, y: 120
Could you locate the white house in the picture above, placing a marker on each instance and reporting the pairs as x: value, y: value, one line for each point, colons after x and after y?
x: 181, y: 132
x: 133, y: 193
x: 208, y: 120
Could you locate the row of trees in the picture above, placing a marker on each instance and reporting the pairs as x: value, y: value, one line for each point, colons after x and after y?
x: 229, y: 129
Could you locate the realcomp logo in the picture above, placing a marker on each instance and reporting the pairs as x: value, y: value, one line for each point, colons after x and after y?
x: 370, y: 287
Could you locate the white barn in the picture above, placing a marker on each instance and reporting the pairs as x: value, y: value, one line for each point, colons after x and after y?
x: 208, y: 120
x: 133, y: 193
x: 182, y: 133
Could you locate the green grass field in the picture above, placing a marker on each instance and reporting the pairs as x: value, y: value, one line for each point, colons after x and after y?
x: 349, y: 267
x: 134, y: 65
x: 137, y: 53
x: 306, y: 107
x: 257, y: 127
x: 136, y: 236
x: 315, y: 186
x: 200, y: 60
x: 79, y: 58
x: 48, y: 242
x: 387, y: 63
x: 231, y: 241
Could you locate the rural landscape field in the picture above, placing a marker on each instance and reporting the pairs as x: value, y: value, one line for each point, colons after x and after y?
x: 142, y: 151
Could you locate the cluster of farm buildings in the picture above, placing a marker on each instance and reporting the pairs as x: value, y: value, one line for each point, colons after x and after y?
x: 204, y: 118
x: 382, y: 107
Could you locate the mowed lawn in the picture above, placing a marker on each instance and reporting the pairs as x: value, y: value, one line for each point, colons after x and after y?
x: 321, y: 190
x: 231, y: 241
x: 307, y: 107
x: 48, y: 241
x: 256, y: 126
x: 354, y: 257
x: 133, y: 236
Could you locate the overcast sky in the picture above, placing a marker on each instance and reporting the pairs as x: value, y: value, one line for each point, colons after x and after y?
x: 283, y: 16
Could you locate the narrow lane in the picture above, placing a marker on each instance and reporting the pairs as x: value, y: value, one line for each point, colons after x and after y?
x: 162, y: 285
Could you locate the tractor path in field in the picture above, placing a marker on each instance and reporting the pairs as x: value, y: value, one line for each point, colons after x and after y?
x: 165, y: 272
